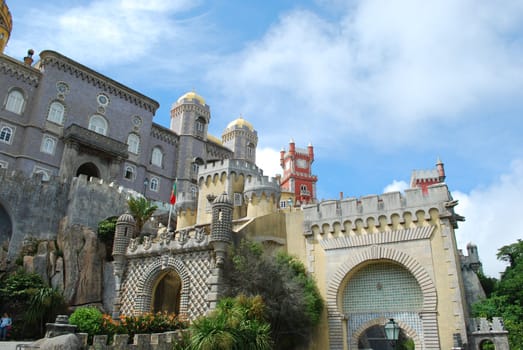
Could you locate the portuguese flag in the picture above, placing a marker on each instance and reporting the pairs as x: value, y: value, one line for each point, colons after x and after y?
x: 173, y: 194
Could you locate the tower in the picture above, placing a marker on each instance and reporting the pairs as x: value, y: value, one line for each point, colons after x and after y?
x: 6, y: 25
x: 241, y: 138
x: 125, y: 226
x: 297, y: 173
x: 425, y: 178
x: 190, y: 117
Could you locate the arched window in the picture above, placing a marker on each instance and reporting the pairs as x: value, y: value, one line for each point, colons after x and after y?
x: 200, y: 126
x: 48, y: 145
x: 15, y: 102
x: 5, y: 134
x: 303, y: 189
x: 194, y: 192
x: 98, y: 124
x: 129, y: 172
x: 56, y: 113
x: 250, y: 149
x: 153, y: 186
x: 157, y: 157
x: 43, y: 172
x: 133, y: 142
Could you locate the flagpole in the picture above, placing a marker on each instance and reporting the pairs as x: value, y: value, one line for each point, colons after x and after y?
x: 169, y: 220
x: 172, y: 204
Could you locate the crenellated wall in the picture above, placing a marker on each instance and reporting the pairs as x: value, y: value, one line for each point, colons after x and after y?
x: 379, y: 213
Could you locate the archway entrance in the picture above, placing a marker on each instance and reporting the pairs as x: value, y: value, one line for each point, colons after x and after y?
x: 6, y: 227
x: 88, y: 169
x: 167, y: 293
x: 375, y: 292
x: 374, y: 338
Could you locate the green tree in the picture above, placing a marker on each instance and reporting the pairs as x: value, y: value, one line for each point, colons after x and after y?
x: 106, y: 230
x: 31, y: 303
x: 236, y: 324
x: 506, y: 299
x: 45, y: 304
x: 142, y: 210
x: 292, y: 300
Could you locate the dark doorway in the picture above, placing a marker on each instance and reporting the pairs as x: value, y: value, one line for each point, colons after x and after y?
x: 167, y: 293
x: 88, y: 169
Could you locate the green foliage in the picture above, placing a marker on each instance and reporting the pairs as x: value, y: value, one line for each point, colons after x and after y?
x: 88, y: 320
x: 45, y: 305
x: 237, y: 323
x: 27, y: 291
x: 293, y: 303
x: 106, y: 231
x: 488, y: 283
x: 506, y: 299
x: 141, y: 209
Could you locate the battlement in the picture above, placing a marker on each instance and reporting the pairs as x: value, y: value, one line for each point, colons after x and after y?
x: 482, y: 325
x: 376, y: 207
x: 261, y: 184
x: 229, y: 166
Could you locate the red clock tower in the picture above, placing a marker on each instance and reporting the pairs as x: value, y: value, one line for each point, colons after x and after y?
x: 297, y: 173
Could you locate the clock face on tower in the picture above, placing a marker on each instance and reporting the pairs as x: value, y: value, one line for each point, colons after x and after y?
x: 301, y: 163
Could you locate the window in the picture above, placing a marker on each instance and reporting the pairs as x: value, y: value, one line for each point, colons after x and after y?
x: 194, y: 192
x: 133, y: 141
x: 154, y: 184
x: 194, y: 168
x: 283, y: 204
x: 157, y: 156
x: 129, y: 172
x: 43, y: 172
x: 56, y: 113
x: 48, y: 144
x: 6, y: 134
x: 237, y: 199
x: 250, y: 150
x: 200, y: 126
x: 3, y: 165
x: 98, y: 124
x: 15, y: 102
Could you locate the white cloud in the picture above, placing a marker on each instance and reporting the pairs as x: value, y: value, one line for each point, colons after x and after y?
x: 492, y: 215
x: 111, y: 32
x: 379, y: 72
x: 268, y: 160
x: 396, y: 186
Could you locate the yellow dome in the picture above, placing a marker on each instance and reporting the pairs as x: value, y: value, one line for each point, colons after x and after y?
x: 240, y: 122
x: 191, y: 95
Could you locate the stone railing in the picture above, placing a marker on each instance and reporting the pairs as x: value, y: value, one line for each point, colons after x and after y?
x: 155, y: 341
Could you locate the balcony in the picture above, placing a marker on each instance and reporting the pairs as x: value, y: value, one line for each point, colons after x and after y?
x: 94, y: 140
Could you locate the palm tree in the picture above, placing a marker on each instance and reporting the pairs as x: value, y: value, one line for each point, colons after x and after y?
x: 237, y: 324
x: 142, y: 210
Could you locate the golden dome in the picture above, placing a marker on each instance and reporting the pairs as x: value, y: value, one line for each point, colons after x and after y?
x: 191, y: 95
x: 240, y: 122
x: 6, y: 24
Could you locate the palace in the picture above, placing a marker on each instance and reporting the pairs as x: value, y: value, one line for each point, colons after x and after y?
x: 75, y: 145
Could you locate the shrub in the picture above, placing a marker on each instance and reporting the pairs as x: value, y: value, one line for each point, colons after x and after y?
x: 88, y: 320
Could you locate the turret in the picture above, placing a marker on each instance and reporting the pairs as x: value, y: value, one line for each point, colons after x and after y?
x: 311, y: 152
x: 241, y: 138
x: 221, y: 239
x: 441, y: 170
x: 125, y: 227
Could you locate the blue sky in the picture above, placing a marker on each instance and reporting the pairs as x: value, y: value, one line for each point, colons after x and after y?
x: 379, y: 87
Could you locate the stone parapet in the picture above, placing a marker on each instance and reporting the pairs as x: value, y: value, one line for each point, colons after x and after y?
x: 155, y: 341
x: 383, y: 207
x: 229, y: 166
x: 258, y: 185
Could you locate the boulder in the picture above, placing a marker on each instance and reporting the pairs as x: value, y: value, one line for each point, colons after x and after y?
x: 83, y: 257
x: 61, y: 342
